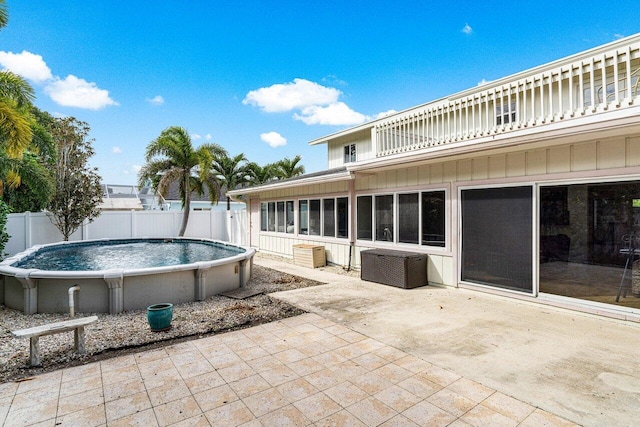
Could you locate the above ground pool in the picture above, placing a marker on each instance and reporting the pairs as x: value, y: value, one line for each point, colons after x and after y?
x: 121, y: 274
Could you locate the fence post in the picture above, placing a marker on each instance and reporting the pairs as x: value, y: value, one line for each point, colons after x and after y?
x: 27, y: 230
x: 133, y: 223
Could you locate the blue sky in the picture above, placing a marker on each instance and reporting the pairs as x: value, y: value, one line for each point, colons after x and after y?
x: 264, y: 78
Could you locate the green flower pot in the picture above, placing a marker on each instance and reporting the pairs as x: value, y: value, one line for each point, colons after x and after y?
x: 159, y: 316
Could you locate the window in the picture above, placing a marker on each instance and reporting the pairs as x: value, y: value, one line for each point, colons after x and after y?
x: 408, y: 214
x: 303, y: 219
x: 280, y: 216
x: 433, y: 218
x: 384, y: 218
x: 271, y: 208
x: 505, y: 112
x: 329, y: 214
x: 409, y: 218
x: 365, y: 221
x: 263, y: 217
x: 290, y: 216
x: 343, y: 217
x: 314, y: 217
x: 350, y: 153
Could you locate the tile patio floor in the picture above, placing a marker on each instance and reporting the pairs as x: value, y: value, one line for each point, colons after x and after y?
x: 301, y: 371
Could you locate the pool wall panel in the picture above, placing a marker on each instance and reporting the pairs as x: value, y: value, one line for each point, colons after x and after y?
x: 13, y: 294
x: 53, y: 296
x: 143, y: 291
x: 222, y: 278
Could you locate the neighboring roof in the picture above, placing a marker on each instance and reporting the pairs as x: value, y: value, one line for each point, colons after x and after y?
x: 173, y: 194
x: 329, y: 175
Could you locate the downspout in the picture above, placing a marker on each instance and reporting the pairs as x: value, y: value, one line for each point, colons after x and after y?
x: 72, y: 289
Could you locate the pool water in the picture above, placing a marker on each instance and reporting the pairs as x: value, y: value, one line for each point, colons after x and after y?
x: 125, y: 255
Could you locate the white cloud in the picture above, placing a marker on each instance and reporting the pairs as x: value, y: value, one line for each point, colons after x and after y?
x: 274, y: 139
x: 467, y: 29
x: 300, y: 93
x: 384, y: 114
x: 337, y: 113
x: 136, y: 168
x: 196, y: 136
x: 618, y: 36
x: 208, y: 137
x: 26, y: 64
x: 76, y: 92
x: 116, y: 150
x: 156, y: 100
x: 482, y: 82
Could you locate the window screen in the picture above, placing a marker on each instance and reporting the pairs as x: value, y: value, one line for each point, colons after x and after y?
x: 343, y: 216
x: 408, y: 223
x: 365, y: 223
x: 497, y: 237
x: 329, y: 225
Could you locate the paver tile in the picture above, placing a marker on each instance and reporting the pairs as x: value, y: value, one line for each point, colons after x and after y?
x: 397, y: 398
x: 90, y: 416
x: 471, y: 389
x: 171, y: 390
x: 80, y: 385
x: 250, y: 385
x: 425, y: 414
x: 75, y: 403
x: 123, y: 389
x: 481, y: 416
x: 232, y: 414
x: 400, y: 421
x: 265, y: 401
x: 420, y: 386
x: 177, y: 410
x: 297, y: 389
x: 286, y: 416
x: 215, y: 397
x: 372, y: 411
x: 341, y: 418
x: 142, y: 419
x: 324, y: 379
x: 128, y: 405
x: 317, y: 406
x: 204, y: 382
x: 451, y: 402
x: 508, y: 406
x: 346, y: 393
x: 279, y: 375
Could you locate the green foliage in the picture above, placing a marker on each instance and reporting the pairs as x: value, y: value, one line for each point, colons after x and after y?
x: 289, y: 168
x: 258, y: 175
x: 4, y: 15
x: 171, y: 158
x: 78, y: 192
x: 4, y: 236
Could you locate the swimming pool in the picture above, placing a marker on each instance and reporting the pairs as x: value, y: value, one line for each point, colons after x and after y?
x: 122, y: 274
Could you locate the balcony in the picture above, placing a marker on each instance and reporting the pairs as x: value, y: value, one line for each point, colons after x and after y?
x: 601, y: 80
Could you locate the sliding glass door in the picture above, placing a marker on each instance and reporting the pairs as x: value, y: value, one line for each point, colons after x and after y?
x: 497, y: 233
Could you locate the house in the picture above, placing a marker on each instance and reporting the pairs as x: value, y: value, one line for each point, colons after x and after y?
x: 527, y: 186
x: 120, y: 198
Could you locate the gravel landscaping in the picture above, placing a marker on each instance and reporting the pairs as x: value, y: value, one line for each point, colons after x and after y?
x: 127, y: 332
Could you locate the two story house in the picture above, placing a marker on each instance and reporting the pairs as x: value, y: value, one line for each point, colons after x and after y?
x: 528, y: 186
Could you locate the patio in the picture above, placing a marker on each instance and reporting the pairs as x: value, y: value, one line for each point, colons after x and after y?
x: 365, y: 355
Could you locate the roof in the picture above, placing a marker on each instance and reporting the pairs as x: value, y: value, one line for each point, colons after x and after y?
x: 329, y: 175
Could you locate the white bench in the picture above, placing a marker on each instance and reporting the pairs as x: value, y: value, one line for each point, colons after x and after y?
x: 34, y: 334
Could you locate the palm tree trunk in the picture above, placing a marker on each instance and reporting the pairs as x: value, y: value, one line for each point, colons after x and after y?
x: 186, y: 210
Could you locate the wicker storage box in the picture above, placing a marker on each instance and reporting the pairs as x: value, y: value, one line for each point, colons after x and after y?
x: 396, y: 268
x: 311, y: 256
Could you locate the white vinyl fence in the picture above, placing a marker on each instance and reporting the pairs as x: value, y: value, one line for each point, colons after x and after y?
x: 28, y: 229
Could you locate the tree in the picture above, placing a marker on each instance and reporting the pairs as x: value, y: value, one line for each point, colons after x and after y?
x: 231, y: 172
x: 288, y: 168
x: 78, y: 192
x: 34, y: 188
x: 171, y: 158
x: 258, y: 175
x: 4, y: 15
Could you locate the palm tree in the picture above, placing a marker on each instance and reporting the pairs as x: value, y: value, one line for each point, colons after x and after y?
x: 172, y: 158
x: 288, y: 168
x: 258, y: 175
x: 231, y: 172
x: 4, y: 14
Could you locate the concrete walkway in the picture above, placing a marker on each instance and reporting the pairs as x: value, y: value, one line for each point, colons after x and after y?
x: 582, y: 367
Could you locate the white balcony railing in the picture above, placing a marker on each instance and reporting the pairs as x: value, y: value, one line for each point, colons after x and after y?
x: 594, y: 83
